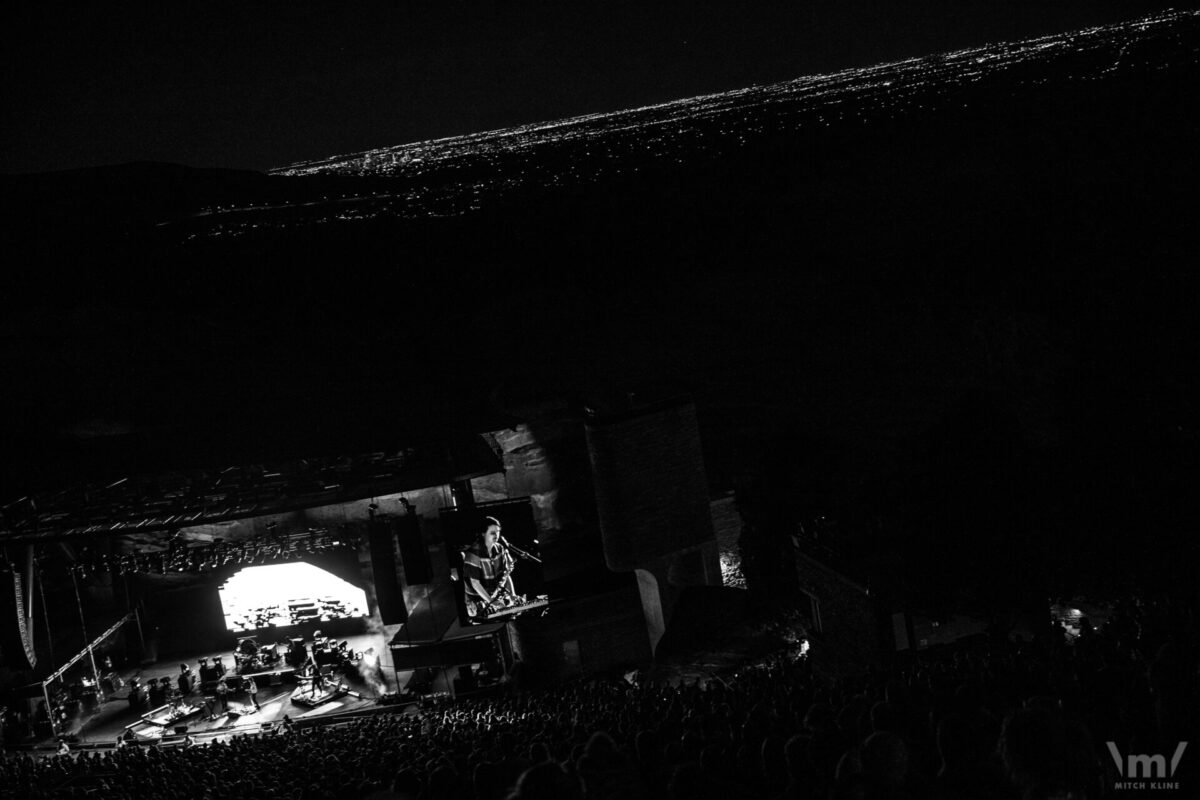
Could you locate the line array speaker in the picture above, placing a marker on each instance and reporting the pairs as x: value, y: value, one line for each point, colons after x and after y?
x: 383, y: 564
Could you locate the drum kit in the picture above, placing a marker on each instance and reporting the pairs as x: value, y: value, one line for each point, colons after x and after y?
x: 327, y: 651
x: 163, y: 691
x: 251, y: 657
x: 111, y: 681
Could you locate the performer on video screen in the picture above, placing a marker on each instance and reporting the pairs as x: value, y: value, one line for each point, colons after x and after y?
x: 487, y: 569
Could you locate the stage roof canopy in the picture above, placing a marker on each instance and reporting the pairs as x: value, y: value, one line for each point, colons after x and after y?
x: 186, y: 496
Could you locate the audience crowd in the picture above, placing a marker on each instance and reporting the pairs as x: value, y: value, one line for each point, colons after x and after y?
x: 995, y: 719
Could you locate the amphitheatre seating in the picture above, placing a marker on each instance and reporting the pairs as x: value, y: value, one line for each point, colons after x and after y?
x: 966, y: 723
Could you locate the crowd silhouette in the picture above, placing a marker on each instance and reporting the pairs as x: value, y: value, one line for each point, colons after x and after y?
x: 1001, y: 718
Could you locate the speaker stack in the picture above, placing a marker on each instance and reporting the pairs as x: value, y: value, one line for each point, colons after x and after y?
x: 388, y: 593
x: 209, y: 675
x: 413, y: 553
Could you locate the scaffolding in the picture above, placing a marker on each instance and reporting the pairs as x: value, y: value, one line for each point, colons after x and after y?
x: 88, y: 652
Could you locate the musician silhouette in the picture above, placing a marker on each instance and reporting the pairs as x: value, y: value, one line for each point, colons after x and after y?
x: 223, y: 695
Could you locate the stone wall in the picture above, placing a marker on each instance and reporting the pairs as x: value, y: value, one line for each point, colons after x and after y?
x: 547, y: 461
x: 727, y: 527
x: 604, y: 632
x: 653, y: 507
x: 651, y: 488
x: 845, y: 634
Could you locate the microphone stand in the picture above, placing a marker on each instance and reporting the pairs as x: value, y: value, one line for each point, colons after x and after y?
x: 520, y: 553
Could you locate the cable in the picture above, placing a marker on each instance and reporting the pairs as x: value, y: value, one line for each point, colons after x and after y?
x: 46, y: 615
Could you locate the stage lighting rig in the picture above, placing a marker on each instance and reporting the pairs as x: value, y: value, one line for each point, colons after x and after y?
x: 182, y: 556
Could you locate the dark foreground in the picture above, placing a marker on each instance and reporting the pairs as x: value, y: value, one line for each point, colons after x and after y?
x: 999, y: 720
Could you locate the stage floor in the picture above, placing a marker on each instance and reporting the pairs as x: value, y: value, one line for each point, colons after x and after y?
x: 107, y: 721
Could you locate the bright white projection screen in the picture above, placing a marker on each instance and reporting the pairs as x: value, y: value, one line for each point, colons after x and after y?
x: 282, y: 595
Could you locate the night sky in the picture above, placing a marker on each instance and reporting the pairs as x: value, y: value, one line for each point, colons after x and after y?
x: 261, y: 85
x: 965, y: 308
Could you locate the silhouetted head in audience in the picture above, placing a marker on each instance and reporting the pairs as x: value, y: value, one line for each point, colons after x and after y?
x: 1043, y: 755
x: 713, y: 760
x: 406, y: 785
x: 773, y: 764
x: 691, y: 743
x: 444, y: 784
x: 797, y: 758
x: 848, y: 780
x: 649, y: 752
x: 885, y: 764
x: 691, y: 782
x: 886, y: 717
x: 485, y: 778
x: 965, y: 741
x: 819, y: 718
x: 850, y: 717
x: 539, y: 753
x: 747, y: 762
x: 545, y: 781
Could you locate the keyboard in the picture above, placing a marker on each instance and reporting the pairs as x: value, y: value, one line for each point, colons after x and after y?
x: 514, y: 611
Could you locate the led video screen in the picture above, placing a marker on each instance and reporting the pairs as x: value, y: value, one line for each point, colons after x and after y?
x: 500, y: 576
x: 282, y: 595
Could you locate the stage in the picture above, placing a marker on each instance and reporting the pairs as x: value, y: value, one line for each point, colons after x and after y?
x: 104, y: 722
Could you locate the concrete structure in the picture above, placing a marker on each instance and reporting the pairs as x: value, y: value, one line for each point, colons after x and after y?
x: 652, y: 499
